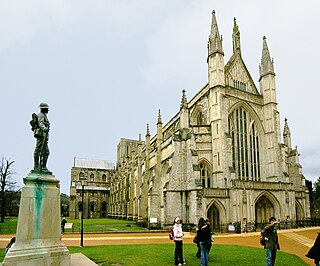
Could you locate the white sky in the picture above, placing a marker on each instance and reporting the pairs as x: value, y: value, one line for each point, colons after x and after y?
x: 106, y: 67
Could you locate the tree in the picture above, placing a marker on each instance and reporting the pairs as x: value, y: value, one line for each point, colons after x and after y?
x: 311, y: 193
x: 6, y: 185
x: 316, y: 195
x: 64, y: 202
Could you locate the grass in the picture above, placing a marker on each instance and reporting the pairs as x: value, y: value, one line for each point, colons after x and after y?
x: 102, y: 225
x: 163, y: 254
x: 9, y: 226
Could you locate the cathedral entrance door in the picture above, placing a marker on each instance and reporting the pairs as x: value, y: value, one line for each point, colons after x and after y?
x: 214, y: 216
x: 264, y: 210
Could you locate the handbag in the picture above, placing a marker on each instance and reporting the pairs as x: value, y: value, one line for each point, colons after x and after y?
x: 195, y: 240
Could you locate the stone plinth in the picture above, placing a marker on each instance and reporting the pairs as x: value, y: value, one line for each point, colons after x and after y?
x: 38, y: 238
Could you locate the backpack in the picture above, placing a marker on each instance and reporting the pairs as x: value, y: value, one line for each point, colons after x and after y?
x: 171, y: 234
x: 263, y: 237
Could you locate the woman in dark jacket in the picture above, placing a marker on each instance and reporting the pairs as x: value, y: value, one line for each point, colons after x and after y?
x: 204, y: 240
x: 314, y: 252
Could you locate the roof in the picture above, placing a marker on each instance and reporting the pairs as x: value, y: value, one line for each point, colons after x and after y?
x: 92, y: 163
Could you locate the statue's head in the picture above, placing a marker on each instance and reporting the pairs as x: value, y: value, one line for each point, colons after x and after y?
x: 44, y: 107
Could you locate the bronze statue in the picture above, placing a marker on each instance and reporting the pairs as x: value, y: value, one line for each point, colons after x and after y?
x: 40, y: 126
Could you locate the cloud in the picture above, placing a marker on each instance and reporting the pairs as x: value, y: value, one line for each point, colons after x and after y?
x: 21, y: 21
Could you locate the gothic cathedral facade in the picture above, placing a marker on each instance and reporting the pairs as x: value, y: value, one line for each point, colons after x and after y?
x: 221, y: 156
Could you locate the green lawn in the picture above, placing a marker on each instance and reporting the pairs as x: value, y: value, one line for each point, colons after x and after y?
x: 90, y: 226
x: 104, y: 225
x: 162, y: 254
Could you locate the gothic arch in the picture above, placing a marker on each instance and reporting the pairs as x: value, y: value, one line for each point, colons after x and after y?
x: 197, y: 111
x: 206, y: 173
x: 245, y: 130
x: 273, y: 210
x: 222, y: 214
x: 251, y: 111
x: 299, y: 211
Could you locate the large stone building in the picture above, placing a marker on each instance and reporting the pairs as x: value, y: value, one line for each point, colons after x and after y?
x: 220, y: 156
x: 96, y: 176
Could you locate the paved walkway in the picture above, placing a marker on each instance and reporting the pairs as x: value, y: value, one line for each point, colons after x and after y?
x: 294, y: 241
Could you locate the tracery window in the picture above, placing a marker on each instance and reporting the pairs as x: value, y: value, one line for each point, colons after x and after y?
x: 245, y: 144
x: 200, y: 119
x: 205, y: 175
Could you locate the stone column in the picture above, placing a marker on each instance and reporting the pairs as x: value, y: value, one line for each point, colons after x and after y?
x: 38, y: 238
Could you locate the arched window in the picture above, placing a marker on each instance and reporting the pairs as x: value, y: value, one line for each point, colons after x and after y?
x: 205, y: 175
x: 245, y: 144
x: 79, y: 206
x: 81, y: 175
x: 103, y: 206
x: 92, y: 177
x: 104, y: 178
x: 200, y: 119
x: 92, y: 206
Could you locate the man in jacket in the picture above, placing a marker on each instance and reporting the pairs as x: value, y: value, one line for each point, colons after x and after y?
x: 272, y: 244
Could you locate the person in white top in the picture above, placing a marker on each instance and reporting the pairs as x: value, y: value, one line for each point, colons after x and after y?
x: 178, y: 237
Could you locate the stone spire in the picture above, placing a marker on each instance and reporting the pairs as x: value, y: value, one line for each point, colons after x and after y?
x: 236, y: 37
x: 215, y: 39
x: 159, y: 129
x: 148, y: 130
x: 159, y: 118
x: 184, y: 104
x: 266, y: 66
x: 286, y: 134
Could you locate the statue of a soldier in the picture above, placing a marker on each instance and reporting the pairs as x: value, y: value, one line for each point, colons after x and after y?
x: 40, y: 126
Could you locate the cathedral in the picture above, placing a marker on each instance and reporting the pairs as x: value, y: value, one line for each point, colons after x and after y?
x: 222, y: 156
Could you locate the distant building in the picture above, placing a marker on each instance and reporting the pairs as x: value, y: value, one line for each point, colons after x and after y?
x: 98, y: 174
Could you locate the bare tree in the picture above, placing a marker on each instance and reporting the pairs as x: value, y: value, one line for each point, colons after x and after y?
x: 6, y: 184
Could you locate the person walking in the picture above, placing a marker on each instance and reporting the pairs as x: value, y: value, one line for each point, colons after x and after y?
x: 204, y: 240
x: 63, y: 224
x: 314, y: 252
x: 178, y: 237
x: 272, y: 244
x: 10, y: 245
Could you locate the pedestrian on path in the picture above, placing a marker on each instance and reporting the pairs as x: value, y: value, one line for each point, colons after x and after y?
x: 272, y: 244
x: 314, y: 252
x: 10, y: 245
x: 178, y: 237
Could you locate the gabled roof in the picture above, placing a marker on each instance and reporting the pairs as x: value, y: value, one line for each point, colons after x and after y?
x: 231, y: 70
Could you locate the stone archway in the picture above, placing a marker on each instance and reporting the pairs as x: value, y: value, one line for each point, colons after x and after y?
x: 299, y: 211
x: 214, y: 215
x: 264, y: 209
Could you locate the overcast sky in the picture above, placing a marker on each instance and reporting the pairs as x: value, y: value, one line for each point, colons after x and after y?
x: 106, y: 67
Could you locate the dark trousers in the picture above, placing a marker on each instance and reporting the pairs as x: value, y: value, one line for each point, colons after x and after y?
x: 178, y: 256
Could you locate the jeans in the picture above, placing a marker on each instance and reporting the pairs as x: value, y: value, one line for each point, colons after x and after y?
x: 178, y: 257
x: 204, y: 254
x: 271, y: 257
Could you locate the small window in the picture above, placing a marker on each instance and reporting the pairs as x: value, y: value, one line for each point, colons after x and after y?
x: 92, y: 177
x: 79, y: 206
x: 104, y: 178
x: 92, y: 206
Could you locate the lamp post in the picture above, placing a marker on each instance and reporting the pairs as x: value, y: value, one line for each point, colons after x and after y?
x: 83, y: 180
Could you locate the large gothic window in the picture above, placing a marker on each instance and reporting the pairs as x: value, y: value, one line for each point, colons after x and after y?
x: 205, y: 175
x: 245, y: 144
